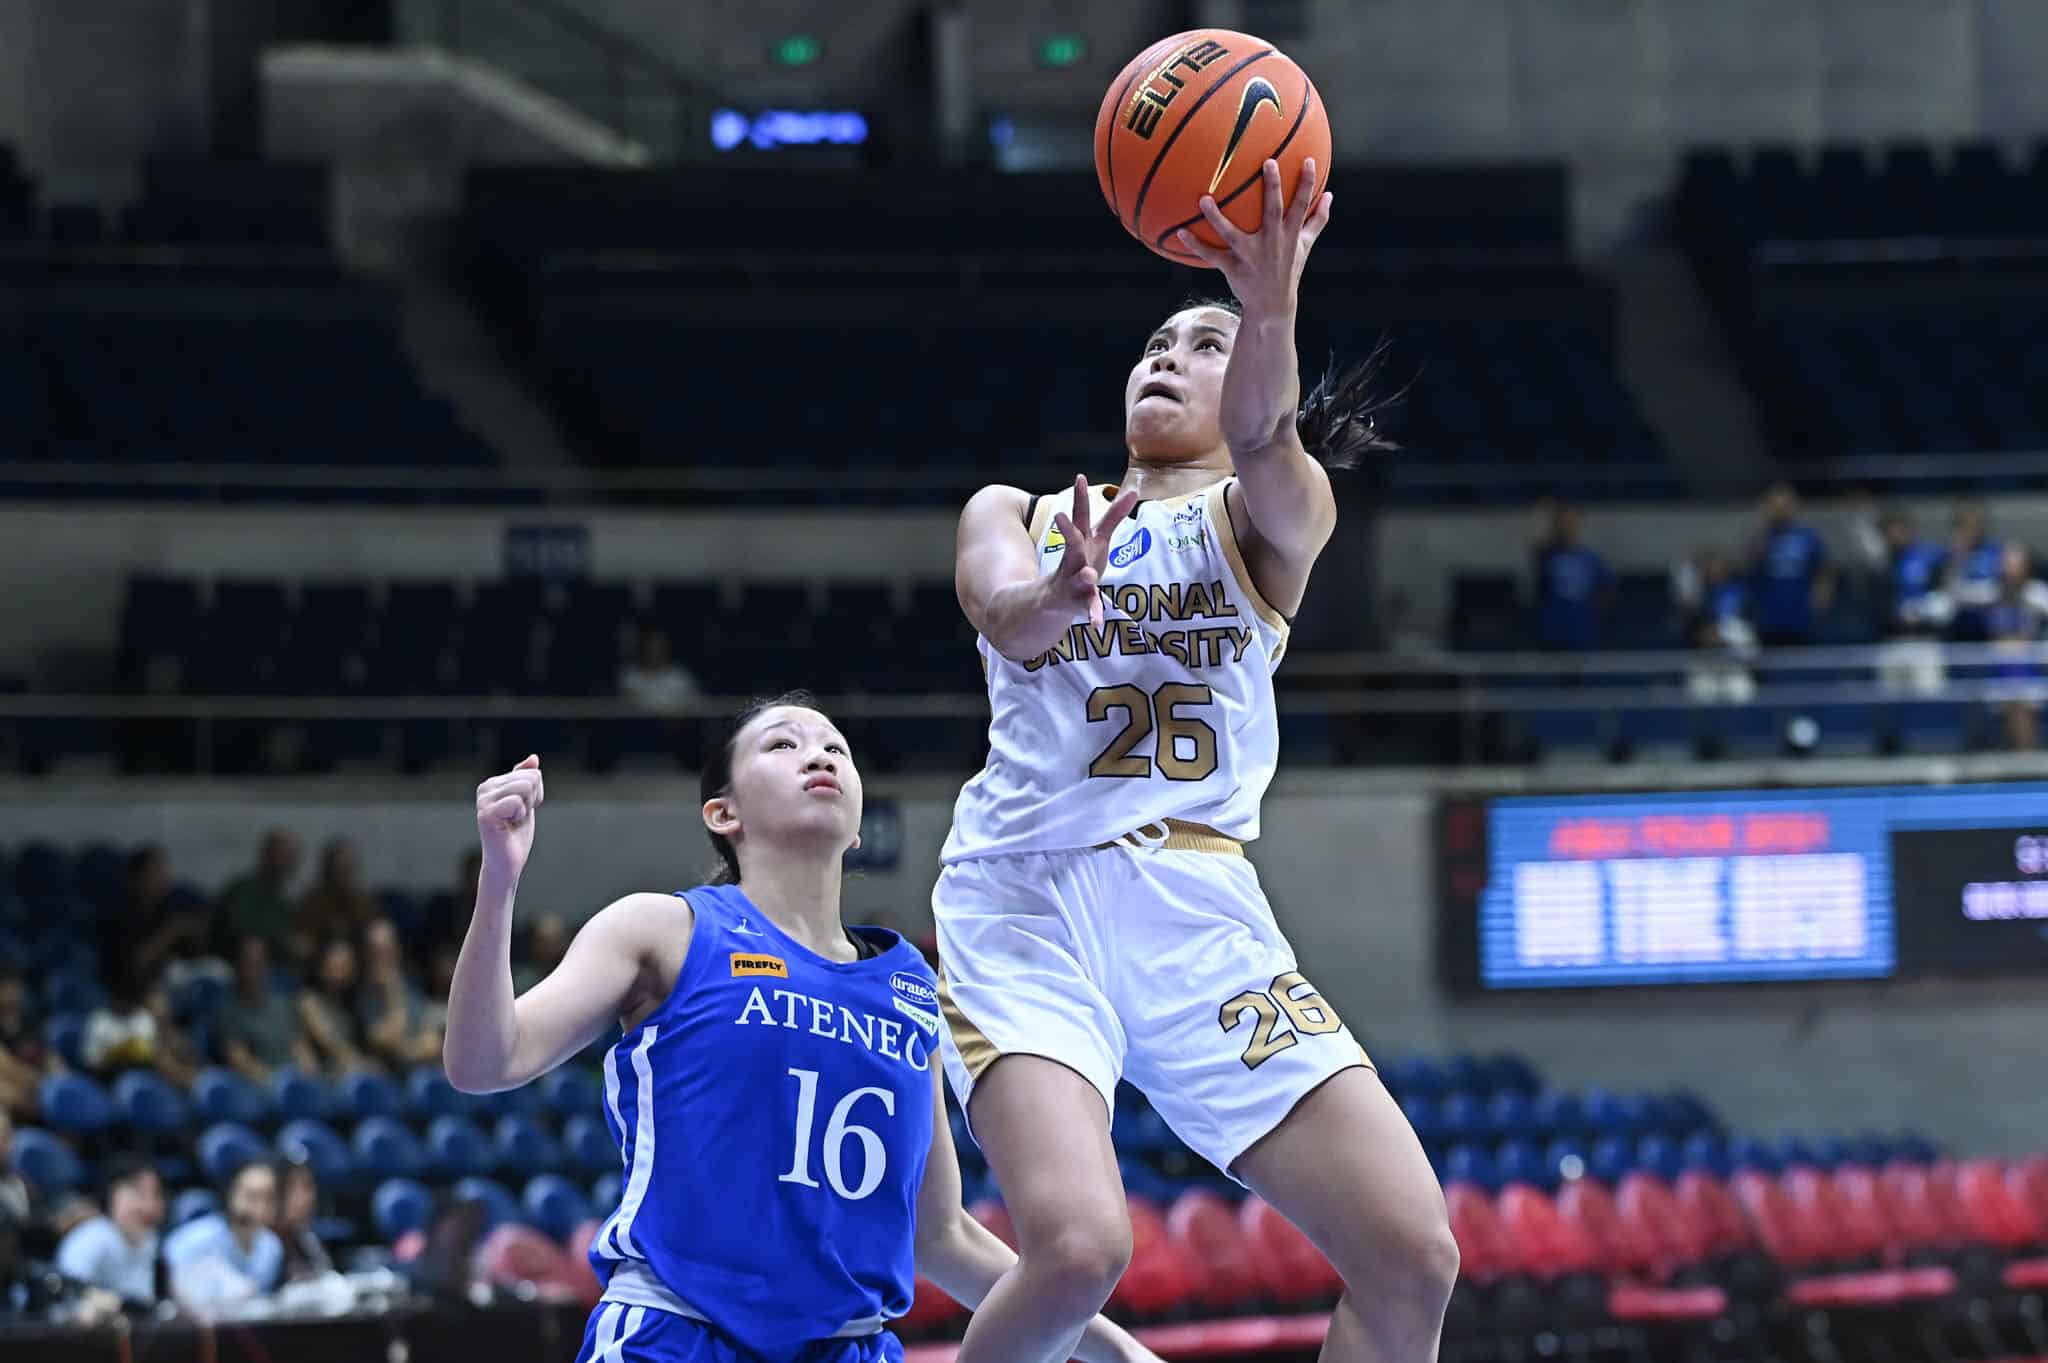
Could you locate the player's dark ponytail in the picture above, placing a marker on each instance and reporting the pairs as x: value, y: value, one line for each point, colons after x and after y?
x: 717, y: 778
x: 1338, y: 419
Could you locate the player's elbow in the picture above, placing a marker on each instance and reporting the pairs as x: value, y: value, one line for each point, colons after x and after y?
x: 469, y: 1073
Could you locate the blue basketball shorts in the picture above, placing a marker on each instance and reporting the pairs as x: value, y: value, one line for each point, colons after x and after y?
x: 618, y: 1333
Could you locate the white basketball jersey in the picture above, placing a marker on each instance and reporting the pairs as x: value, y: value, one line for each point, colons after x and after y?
x: 1165, y: 710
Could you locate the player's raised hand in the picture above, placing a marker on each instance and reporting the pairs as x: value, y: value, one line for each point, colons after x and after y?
x: 1079, y: 575
x: 1263, y: 268
x: 506, y: 808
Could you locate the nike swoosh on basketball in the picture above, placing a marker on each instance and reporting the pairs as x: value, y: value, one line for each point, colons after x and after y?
x: 1257, y: 91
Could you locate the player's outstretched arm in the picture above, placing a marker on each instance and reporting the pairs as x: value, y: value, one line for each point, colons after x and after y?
x: 1018, y: 609
x: 493, y: 1040
x: 964, y: 1258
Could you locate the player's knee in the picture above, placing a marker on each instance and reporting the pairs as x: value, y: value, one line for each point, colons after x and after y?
x: 1421, y: 1254
x: 1074, y: 1270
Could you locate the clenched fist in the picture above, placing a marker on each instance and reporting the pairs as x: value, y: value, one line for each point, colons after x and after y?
x: 505, y: 814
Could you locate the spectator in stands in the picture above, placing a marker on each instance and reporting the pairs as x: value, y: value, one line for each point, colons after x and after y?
x: 24, y: 1058
x: 256, y: 904
x: 1976, y: 564
x: 1914, y: 608
x: 1789, y: 572
x: 656, y: 681
x: 18, y: 1201
x: 258, y: 1027
x: 304, y: 1255
x: 229, y: 1258
x: 327, y: 1012
x: 1573, y: 585
x: 1716, y: 606
x: 440, y: 978
x: 116, y: 1252
x: 133, y: 1030
x: 389, y: 1005
x: 338, y: 906
x: 547, y: 941
x: 140, y: 940
x: 2018, y: 621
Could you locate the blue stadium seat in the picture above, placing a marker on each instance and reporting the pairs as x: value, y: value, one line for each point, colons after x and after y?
x: 1565, y: 1159
x: 46, y: 1161
x: 1688, y: 1111
x: 521, y: 1145
x: 1471, y: 1164
x: 71, y: 991
x: 74, y: 1105
x: 148, y: 1103
x: 1559, y: 1112
x: 1869, y: 1149
x: 1414, y: 1074
x: 318, y: 1145
x: 1511, y: 1073
x: 1829, y: 1152
x: 570, y: 1091
x: 1793, y: 1152
x: 364, y: 1095
x: 499, y: 1204
x: 65, y: 1034
x: 1612, y: 1159
x: 554, y: 1205
x: 384, y: 1147
x: 1747, y: 1152
x: 296, y: 1096
x: 1704, y: 1151
x: 1464, y: 1118
x: 456, y: 1147
x: 191, y: 1204
x: 400, y: 1205
x: 587, y: 1145
x: 1511, y: 1113
x: 224, y: 1147
x: 1659, y: 1155
x: 429, y: 1094
x: 1519, y: 1161
x: 606, y: 1191
x: 1914, y: 1148
x: 221, y: 1095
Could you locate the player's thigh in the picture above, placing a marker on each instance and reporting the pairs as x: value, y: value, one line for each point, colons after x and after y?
x: 1226, y: 1033
x: 618, y: 1333
x: 1041, y: 1127
x: 1346, y: 1167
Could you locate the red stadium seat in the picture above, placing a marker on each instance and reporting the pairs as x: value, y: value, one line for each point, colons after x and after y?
x: 1206, y: 1228
x: 1919, y: 1204
x: 1839, y: 1228
x: 2028, y: 1182
x: 1781, y: 1228
x: 1546, y: 1246
x: 1626, y: 1249
x: 1484, y: 1255
x: 930, y: 1311
x: 1161, y: 1275
x: 1648, y: 1207
x: 1715, y: 1215
x: 996, y: 1218
x: 1294, y: 1271
x: 1994, y: 1216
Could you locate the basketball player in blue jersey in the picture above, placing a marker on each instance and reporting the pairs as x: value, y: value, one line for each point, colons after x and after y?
x: 1097, y: 916
x: 775, y: 1098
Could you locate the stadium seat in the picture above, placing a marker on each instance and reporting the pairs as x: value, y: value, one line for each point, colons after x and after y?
x: 362, y: 1094
x: 1651, y: 1214
x: 605, y: 1192
x: 221, y: 1095
x: 1207, y: 1229
x: 296, y: 1096
x: 147, y: 1103
x: 570, y: 1091
x: 400, y: 1205
x: 456, y: 1147
x: 1546, y: 1245
x: 1484, y: 1254
x: 1470, y: 1164
x: 499, y: 1205
x: 428, y: 1094
x: 1625, y: 1247
x: 1520, y: 1161
x: 65, y: 1034
x: 1160, y: 1277
x: 192, y: 1204
x: 587, y: 1144
x: 224, y: 1147
x: 316, y: 1143
x: 521, y: 1145
x: 385, y: 1148
x: 46, y: 1161
x: 1996, y: 1217
x: 1713, y: 1213
x: 1292, y: 1269
x: 553, y: 1204
x: 74, y: 1105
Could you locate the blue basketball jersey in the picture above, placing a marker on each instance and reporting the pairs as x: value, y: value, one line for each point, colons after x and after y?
x: 774, y: 1115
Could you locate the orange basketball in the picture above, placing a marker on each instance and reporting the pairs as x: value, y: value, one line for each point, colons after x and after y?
x: 1200, y: 113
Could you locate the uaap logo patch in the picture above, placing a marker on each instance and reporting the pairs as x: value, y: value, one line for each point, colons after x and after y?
x: 747, y: 963
x: 1131, y: 550
x: 917, y: 1000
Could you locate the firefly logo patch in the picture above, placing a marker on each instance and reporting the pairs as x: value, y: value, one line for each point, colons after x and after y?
x: 745, y: 964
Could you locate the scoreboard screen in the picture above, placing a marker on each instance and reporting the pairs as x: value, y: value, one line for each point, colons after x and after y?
x: 1719, y: 887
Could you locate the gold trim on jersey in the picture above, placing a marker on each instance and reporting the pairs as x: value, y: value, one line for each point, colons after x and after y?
x: 1233, y: 554
x: 977, y: 1052
x: 1179, y: 836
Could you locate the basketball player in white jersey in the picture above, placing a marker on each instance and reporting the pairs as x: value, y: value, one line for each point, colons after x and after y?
x: 1096, y: 915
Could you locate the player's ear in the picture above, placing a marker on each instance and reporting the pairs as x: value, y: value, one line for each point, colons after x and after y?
x: 721, y: 817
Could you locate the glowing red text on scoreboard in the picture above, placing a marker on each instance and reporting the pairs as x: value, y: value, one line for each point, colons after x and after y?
x: 1690, y: 835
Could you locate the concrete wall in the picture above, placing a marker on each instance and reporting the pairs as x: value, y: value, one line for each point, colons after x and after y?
x: 1348, y: 868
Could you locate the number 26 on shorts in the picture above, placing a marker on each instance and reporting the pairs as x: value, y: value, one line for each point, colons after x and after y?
x: 1289, y: 994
